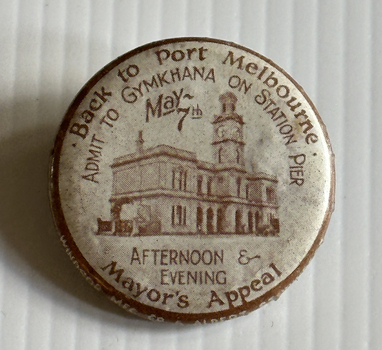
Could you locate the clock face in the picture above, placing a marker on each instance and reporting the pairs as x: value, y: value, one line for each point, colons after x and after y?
x: 222, y: 131
x: 225, y: 131
x: 235, y: 132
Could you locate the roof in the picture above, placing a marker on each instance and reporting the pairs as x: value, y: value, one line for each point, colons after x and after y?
x: 155, y: 151
x: 234, y: 116
x: 165, y: 150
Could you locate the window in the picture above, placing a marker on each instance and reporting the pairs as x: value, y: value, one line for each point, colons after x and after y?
x: 220, y: 220
x: 250, y: 222
x: 179, y: 179
x: 238, y: 183
x: 210, y: 220
x: 209, y: 186
x: 220, y: 154
x: 173, y: 178
x: 200, y: 184
x: 238, y: 156
x: 247, y: 191
x: 199, y: 219
x: 271, y: 194
x: 238, y: 225
x: 178, y: 215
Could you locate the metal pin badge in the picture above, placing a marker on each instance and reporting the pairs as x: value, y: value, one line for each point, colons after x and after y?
x: 192, y: 180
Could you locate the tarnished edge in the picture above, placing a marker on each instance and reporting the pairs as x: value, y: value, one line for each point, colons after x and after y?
x: 119, y: 298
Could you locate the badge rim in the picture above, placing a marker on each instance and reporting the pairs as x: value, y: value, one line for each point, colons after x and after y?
x: 136, y: 307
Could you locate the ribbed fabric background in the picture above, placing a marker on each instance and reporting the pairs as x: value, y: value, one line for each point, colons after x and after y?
x: 49, y: 49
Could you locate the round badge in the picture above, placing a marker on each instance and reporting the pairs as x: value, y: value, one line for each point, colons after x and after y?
x: 192, y: 180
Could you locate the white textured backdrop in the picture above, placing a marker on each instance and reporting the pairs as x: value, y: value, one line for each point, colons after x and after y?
x: 49, y: 49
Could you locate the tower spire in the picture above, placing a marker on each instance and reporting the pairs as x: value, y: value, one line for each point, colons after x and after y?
x: 228, y: 101
x: 227, y: 138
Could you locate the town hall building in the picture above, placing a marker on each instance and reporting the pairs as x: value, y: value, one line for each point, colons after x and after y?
x: 166, y: 190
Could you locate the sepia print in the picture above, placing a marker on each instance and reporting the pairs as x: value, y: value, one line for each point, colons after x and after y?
x: 169, y: 191
x: 192, y: 180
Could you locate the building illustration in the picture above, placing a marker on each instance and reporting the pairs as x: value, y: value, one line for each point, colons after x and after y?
x: 166, y: 190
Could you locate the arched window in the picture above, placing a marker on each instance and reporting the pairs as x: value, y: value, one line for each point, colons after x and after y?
x: 180, y: 180
x: 185, y: 180
x: 200, y: 184
x: 238, y: 156
x: 257, y: 220
x: 209, y: 186
x: 220, y: 154
x: 173, y: 178
x: 199, y: 219
x: 179, y: 214
x: 238, y: 221
x: 210, y: 220
x: 238, y: 188
x: 219, y: 220
x: 250, y: 222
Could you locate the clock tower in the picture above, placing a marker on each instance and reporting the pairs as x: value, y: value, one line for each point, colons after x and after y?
x: 227, y: 139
